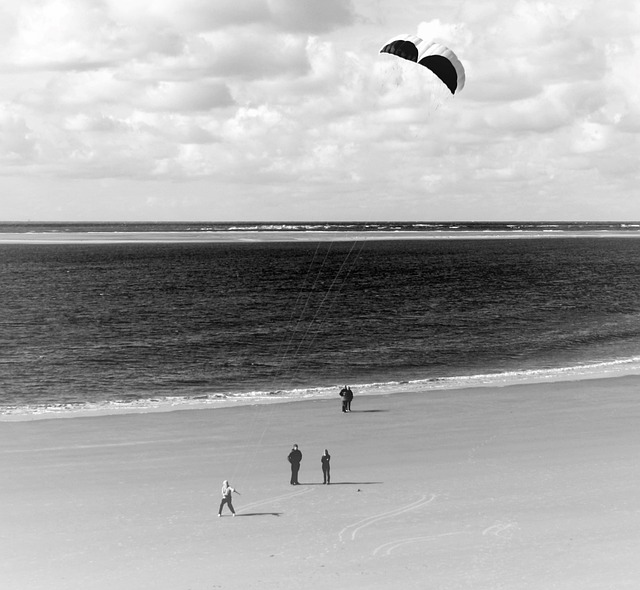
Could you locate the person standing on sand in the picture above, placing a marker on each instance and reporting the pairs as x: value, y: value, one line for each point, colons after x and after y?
x: 295, y: 457
x: 326, y: 468
x: 227, y: 491
x: 343, y: 395
x: 349, y: 398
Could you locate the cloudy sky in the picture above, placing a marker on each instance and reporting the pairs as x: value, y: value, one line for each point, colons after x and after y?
x: 285, y: 110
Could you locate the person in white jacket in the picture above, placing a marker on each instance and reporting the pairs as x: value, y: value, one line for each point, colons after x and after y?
x: 227, y: 492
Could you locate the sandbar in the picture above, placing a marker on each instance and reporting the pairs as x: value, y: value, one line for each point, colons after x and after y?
x: 130, y: 237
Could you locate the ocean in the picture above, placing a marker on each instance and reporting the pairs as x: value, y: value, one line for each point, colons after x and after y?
x: 119, y: 326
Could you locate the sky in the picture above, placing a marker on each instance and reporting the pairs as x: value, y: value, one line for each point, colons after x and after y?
x: 285, y: 110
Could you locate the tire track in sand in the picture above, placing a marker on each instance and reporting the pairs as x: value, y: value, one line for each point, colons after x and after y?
x: 356, y: 527
x: 392, y: 545
x: 500, y: 528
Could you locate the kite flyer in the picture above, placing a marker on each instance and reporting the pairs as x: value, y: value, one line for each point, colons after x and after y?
x: 227, y: 492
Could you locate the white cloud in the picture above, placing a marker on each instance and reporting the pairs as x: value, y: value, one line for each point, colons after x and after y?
x: 61, y: 34
x: 185, y: 97
x: 187, y: 16
x: 310, y: 16
x: 293, y: 95
x: 251, y: 54
x: 17, y: 144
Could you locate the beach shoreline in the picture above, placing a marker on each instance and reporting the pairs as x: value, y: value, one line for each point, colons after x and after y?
x: 157, y: 404
x: 522, y: 486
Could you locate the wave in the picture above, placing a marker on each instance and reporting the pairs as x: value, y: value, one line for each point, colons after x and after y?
x: 126, y: 405
x: 320, y: 226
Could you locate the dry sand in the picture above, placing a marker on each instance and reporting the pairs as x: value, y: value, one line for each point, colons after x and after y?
x: 529, y: 486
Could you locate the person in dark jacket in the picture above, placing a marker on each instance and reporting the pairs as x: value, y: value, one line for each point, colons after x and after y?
x: 348, y: 397
x: 344, y: 393
x: 295, y: 458
x: 326, y: 468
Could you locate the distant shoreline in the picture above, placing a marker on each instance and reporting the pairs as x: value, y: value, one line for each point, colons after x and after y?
x: 125, y: 237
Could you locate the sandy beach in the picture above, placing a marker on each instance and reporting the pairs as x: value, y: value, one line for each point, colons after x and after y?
x: 520, y: 487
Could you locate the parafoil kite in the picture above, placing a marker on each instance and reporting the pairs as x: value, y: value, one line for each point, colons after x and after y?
x: 438, y: 58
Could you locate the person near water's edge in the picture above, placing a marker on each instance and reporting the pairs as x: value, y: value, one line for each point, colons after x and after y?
x: 295, y: 457
x: 347, y: 395
x: 349, y: 398
x: 343, y: 393
x: 326, y: 468
x: 227, y: 491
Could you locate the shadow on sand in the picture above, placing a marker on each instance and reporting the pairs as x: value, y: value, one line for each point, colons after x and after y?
x: 343, y: 483
x: 258, y: 513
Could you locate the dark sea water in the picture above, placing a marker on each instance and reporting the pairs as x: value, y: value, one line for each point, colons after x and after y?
x: 130, y: 325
